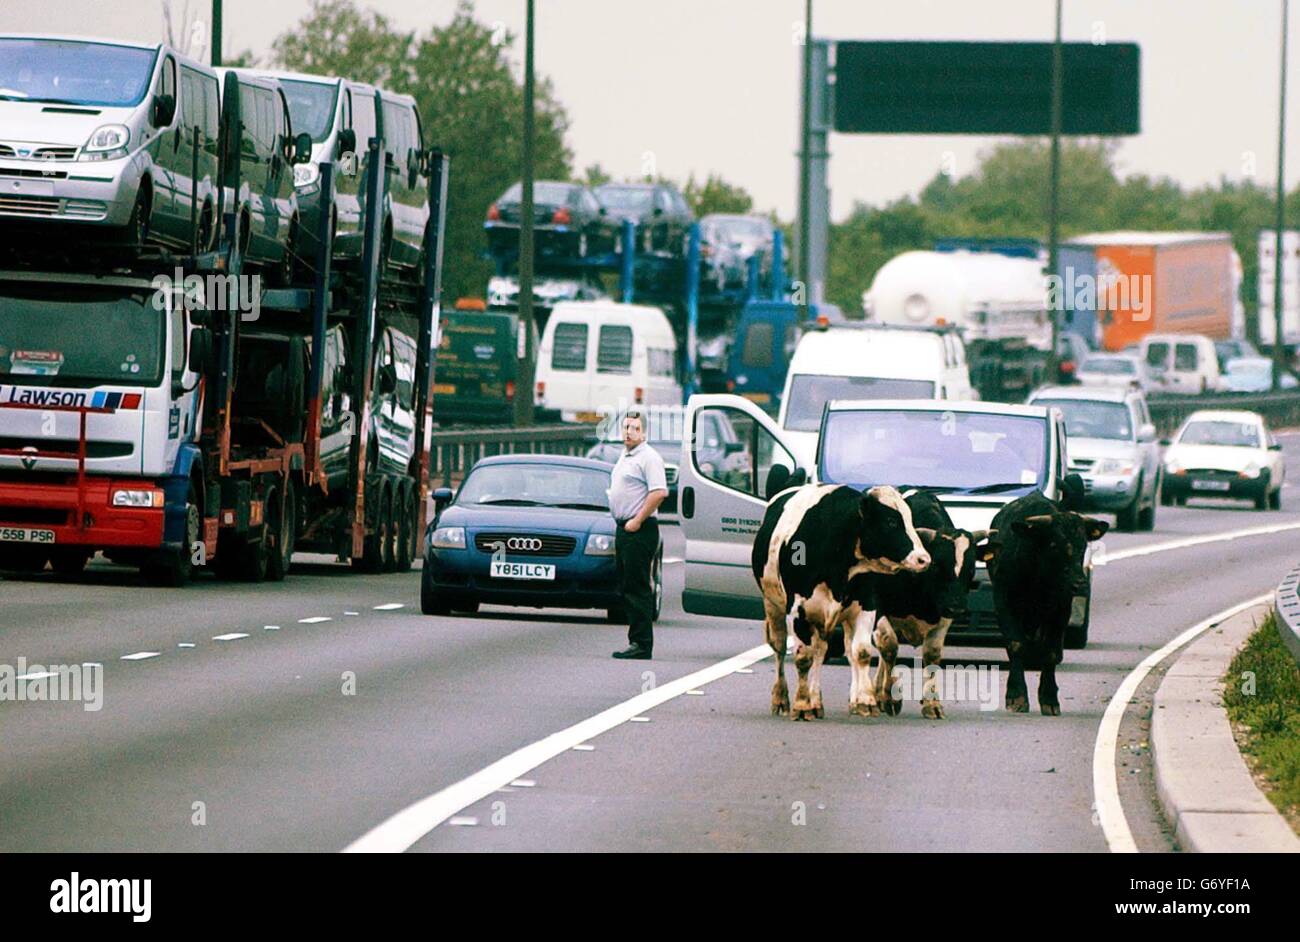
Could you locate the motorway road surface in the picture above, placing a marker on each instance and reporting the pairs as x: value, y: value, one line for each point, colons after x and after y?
x: 258, y: 727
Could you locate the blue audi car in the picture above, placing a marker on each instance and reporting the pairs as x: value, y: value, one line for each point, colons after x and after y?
x: 529, y: 530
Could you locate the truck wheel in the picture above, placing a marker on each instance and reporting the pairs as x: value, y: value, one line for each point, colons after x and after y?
x: 406, y: 532
x: 282, y: 530
x: 392, y: 529
x: 68, y: 561
x: 177, y: 570
x: 371, y: 559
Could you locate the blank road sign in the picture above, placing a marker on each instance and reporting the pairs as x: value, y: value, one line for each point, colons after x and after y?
x: 984, y: 88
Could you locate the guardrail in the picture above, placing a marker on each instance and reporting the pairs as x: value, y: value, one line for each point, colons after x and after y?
x: 454, y: 451
x: 1286, y: 606
x: 1279, y: 409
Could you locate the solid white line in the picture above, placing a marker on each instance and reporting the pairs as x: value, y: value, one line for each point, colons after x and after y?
x: 231, y: 636
x: 314, y: 620
x: 1105, y: 787
x: 1224, y: 537
x: 389, y: 607
x: 409, y: 825
x: 139, y: 655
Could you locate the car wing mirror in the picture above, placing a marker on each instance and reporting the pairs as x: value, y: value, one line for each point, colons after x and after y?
x: 162, y: 111
x: 302, y: 148
x: 1147, y: 433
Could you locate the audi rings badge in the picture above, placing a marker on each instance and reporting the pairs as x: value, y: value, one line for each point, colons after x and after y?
x: 524, y: 544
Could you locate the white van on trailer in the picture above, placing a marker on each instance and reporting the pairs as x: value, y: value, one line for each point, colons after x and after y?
x: 862, y: 361
x: 601, y: 357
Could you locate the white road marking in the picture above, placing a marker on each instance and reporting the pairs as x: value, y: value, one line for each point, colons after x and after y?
x: 351, y: 613
x: 523, y: 783
x: 1226, y: 536
x: 669, y: 560
x: 695, y: 693
x: 389, y: 606
x: 639, y: 719
x: 230, y: 636
x: 584, y: 747
x: 38, y: 675
x: 270, y: 627
x: 314, y: 620
x: 411, y: 824
x: 1105, y: 788
x: 463, y: 822
x: 745, y: 670
x: 185, y: 644
x: 139, y: 655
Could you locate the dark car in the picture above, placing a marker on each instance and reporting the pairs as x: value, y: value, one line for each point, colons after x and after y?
x: 660, y: 212
x: 728, y: 242
x: 1071, y: 351
x: 568, y: 221
x: 532, y: 530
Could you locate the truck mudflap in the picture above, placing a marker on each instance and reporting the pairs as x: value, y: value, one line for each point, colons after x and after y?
x: 58, y: 511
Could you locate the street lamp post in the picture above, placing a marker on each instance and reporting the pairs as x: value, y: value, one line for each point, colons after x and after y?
x: 805, y: 165
x: 1279, y: 354
x: 216, y: 33
x: 524, y: 389
x: 1054, y: 187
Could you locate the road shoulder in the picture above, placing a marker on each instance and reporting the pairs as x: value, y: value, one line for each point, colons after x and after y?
x: 1204, y: 786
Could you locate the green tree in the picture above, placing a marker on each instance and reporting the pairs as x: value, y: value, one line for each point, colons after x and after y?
x: 716, y: 195
x: 471, y: 107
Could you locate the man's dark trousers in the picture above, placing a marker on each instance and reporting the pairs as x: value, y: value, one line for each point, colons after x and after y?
x: 634, y: 555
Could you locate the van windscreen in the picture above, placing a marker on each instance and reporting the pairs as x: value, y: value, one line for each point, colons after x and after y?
x: 68, y: 72
x: 311, y: 107
x: 809, y: 393
x: 757, y: 351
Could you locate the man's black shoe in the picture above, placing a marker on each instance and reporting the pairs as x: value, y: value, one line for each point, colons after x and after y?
x: 634, y: 653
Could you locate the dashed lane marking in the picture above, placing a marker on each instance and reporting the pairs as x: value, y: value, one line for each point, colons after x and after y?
x: 230, y: 636
x: 139, y: 655
x: 1105, y: 788
x: 314, y: 620
x: 389, y: 607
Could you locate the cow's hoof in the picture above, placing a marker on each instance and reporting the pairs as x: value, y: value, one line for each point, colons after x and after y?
x: 780, y: 707
x: 864, y: 709
x: 1050, y: 709
x: 819, y: 711
x: 1017, y: 704
x: 932, y: 710
x: 799, y: 715
x: 892, y: 707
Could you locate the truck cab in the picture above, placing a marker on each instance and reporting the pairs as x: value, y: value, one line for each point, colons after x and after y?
x: 976, y: 457
x: 99, y: 406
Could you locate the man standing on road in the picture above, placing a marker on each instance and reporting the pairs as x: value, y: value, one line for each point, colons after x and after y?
x: 638, y: 486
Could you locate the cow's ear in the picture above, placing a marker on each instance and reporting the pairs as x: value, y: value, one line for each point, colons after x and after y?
x: 927, y: 535
x: 1096, y: 528
x: 984, y: 552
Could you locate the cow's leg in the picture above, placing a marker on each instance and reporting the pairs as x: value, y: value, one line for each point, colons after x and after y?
x: 1013, y: 633
x: 931, y: 655
x: 776, y: 634
x: 819, y: 646
x: 887, y: 644
x: 862, y: 701
x: 1049, y: 696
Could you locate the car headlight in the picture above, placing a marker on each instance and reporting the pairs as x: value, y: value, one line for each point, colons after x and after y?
x: 148, y: 497
x: 1115, y: 466
x: 107, y: 143
x: 600, y: 544
x: 448, y: 538
x: 1173, y: 467
x: 1251, y: 470
x: 306, y: 177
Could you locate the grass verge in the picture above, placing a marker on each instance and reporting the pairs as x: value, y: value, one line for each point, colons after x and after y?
x: 1262, y: 696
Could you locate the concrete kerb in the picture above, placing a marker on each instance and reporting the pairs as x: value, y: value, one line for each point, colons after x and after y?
x: 1203, y: 783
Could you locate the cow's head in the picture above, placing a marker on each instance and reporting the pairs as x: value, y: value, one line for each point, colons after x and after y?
x: 951, y: 575
x: 887, y: 541
x: 1061, y: 542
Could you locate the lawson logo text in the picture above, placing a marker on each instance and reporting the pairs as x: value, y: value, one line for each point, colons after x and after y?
x: 68, y: 398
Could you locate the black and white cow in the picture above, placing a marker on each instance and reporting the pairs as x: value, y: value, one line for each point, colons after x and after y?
x: 814, y: 539
x: 918, y: 608
x: 1040, y: 583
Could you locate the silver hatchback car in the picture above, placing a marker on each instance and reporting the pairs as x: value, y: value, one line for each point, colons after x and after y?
x: 1112, y: 445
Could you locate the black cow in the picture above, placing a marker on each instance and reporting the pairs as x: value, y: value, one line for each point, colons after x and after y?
x: 814, y: 539
x: 918, y: 608
x: 1040, y: 584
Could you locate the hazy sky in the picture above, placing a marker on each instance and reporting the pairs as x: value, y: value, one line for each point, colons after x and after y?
x: 712, y: 85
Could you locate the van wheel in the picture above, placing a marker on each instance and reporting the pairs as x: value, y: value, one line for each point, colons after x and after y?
x: 371, y: 559
x: 289, y: 259
x: 137, y: 227
x: 206, y: 229
x: 245, y: 235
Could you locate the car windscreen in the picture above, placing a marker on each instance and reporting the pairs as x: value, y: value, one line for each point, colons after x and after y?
x: 633, y: 199
x: 955, y: 452
x: 742, y: 228
x: 528, y: 484
x: 311, y: 107
x: 1217, y: 432
x: 68, y: 72
x: 1088, y: 419
x: 809, y: 393
x: 83, y: 336
x: 1108, y: 366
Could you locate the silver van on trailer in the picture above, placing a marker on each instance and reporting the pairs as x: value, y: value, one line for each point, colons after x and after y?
x: 116, y: 141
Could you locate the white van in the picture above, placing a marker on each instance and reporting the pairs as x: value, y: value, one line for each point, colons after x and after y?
x: 1182, y: 363
x: 862, y: 361
x: 600, y: 357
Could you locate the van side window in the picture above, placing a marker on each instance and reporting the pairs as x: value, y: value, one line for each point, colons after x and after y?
x: 265, y: 122
x: 284, y: 125
x: 757, y: 352
x: 614, y: 352
x: 363, y: 118
x: 1157, y: 354
x: 569, y: 349
x: 169, y: 78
